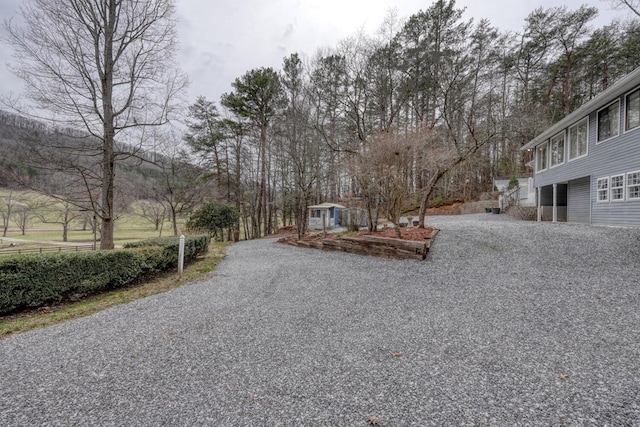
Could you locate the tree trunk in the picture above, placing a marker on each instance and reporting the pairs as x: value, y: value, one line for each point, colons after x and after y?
x: 262, y: 195
x: 108, y: 157
x: 428, y: 190
x: 174, y: 221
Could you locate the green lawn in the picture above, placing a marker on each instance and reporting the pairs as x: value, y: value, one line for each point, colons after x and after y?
x: 129, y: 227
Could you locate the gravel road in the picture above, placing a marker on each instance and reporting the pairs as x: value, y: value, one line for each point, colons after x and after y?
x: 507, y: 323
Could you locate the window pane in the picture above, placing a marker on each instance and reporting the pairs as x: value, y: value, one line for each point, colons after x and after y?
x: 573, y: 142
x: 608, y: 122
x: 582, y: 138
x: 633, y: 110
x: 603, y: 189
x: 617, y: 187
x: 633, y: 185
x: 578, y: 140
x: 557, y: 150
x: 542, y: 157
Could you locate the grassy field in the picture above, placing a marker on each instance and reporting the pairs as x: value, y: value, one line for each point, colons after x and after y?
x: 47, y: 316
x: 129, y: 227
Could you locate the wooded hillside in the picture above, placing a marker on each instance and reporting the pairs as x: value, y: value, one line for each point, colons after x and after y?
x: 61, y: 163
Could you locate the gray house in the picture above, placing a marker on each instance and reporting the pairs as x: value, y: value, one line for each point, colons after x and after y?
x: 587, y: 165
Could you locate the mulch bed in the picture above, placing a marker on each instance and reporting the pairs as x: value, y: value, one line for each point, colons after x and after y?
x: 414, y: 242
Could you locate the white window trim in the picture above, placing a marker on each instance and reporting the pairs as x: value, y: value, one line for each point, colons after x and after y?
x: 611, y: 188
x: 598, y: 121
x: 624, y: 127
x: 546, y: 143
x: 627, y: 186
x: 550, y: 148
x: 576, y: 124
x: 598, y: 190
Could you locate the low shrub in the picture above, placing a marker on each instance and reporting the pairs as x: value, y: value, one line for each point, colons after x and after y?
x: 34, y: 280
x: 193, y: 246
x: 525, y: 213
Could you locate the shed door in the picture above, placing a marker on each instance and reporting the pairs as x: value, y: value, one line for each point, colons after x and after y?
x: 579, y: 200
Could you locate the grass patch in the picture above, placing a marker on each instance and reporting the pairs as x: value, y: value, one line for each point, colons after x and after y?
x: 47, y: 316
x: 122, y: 234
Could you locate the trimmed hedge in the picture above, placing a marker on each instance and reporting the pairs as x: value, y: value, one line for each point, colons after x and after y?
x: 31, y: 281
x: 193, y: 246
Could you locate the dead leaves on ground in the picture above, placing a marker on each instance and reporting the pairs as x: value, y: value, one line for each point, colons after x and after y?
x: 374, y: 421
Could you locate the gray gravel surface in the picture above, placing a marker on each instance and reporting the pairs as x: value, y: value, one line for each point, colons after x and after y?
x: 507, y: 323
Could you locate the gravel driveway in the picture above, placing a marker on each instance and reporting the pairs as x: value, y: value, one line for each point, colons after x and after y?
x: 507, y: 323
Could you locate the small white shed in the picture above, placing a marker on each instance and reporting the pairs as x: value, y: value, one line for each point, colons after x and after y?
x: 328, y: 211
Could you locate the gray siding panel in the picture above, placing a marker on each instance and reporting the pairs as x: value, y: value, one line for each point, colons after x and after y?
x: 615, y: 156
x: 616, y: 214
x: 579, y: 200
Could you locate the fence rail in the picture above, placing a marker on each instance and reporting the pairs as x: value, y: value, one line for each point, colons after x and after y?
x: 49, y: 249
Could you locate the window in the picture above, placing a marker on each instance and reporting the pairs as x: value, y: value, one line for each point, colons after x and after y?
x: 578, y: 134
x: 557, y: 149
x: 608, y: 122
x: 541, y: 157
x: 633, y: 185
x: 603, y: 189
x: 632, y: 112
x: 617, y: 188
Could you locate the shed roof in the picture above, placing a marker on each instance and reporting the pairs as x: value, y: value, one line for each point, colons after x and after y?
x: 327, y: 206
x: 622, y: 86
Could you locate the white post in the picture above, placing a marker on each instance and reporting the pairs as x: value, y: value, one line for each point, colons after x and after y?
x: 181, y: 256
x: 539, y: 204
x: 555, y: 202
x: 324, y: 224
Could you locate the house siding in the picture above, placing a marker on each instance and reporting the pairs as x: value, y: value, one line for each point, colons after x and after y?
x: 579, y: 200
x: 618, y: 155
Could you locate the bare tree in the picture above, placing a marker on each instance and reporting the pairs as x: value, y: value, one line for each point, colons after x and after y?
x: 301, y: 153
x: 153, y: 211
x: 105, y: 66
x: 384, y: 174
x: 62, y: 213
x: 632, y: 5
x: 7, y: 204
x: 182, y: 186
x: 25, y: 209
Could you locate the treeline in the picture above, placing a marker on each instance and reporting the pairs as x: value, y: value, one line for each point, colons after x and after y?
x: 431, y: 107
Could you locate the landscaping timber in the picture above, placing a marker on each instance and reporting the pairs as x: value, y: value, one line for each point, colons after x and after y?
x: 372, y: 245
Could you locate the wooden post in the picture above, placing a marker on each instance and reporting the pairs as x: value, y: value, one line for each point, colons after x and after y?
x: 324, y: 223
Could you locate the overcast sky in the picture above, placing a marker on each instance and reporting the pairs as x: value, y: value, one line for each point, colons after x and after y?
x: 220, y: 40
